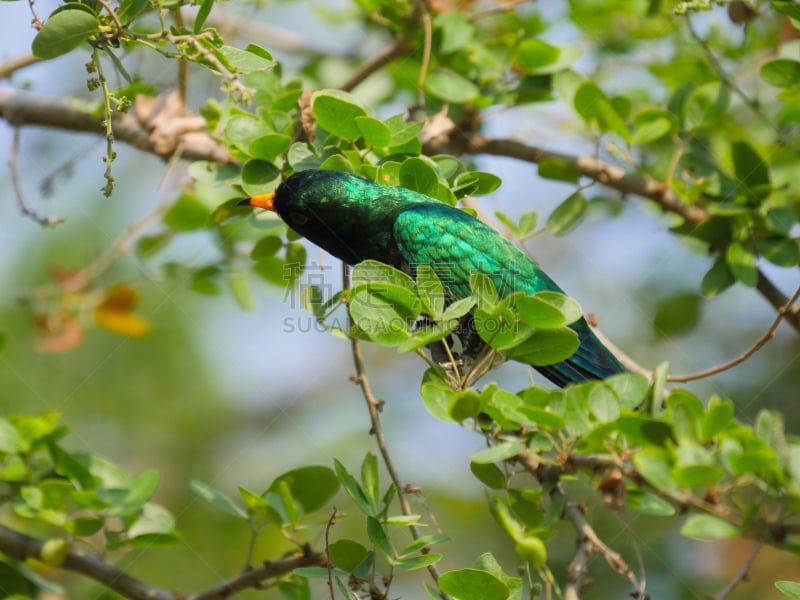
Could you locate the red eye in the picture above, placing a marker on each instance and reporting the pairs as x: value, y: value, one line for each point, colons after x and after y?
x: 298, y: 218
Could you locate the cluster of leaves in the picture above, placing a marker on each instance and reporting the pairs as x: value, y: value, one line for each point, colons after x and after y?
x: 72, y: 498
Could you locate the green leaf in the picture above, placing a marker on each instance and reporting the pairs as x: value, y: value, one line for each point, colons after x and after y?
x: 706, y: 106
x: 431, y: 291
x: 252, y: 58
x: 483, y: 291
x: 652, y: 125
x: 742, y: 263
x: 402, y: 130
x: 347, y: 554
x: 783, y: 252
x: 697, y: 476
x: 708, y: 527
x: 377, y: 535
x: 473, y: 584
x: 260, y: 177
x: 648, y: 503
x: 375, y: 133
x: 141, y: 489
x: 533, y: 54
x: 539, y: 313
x: 310, y: 487
x: 372, y: 271
x: 269, y: 146
x: 464, y: 404
x: 456, y: 31
x: 187, y: 214
x: 787, y: 7
x: 653, y: 465
x: 546, y: 347
x: 677, y: 314
x: 489, y: 474
x: 370, y: 481
x: 498, y: 453
x: 502, y: 329
x: 218, y: 499
x: 413, y: 563
x: 559, y: 169
x: 352, y: 487
x: 154, y: 520
x: 459, y: 308
x: 476, y: 183
x: 423, y: 336
x: 789, y: 588
x: 266, y: 246
x: 384, y: 311
x: 336, y: 112
x: 436, y: 395
x: 420, y: 175
x: 130, y: 9
x: 782, y: 72
x: 280, y: 499
x: 64, y: 31
x: 717, y: 417
x: 567, y: 215
x: 751, y: 170
x: 450, y: 87
x: 718, y: 278
x: 10, y: 440
x: 242, y: 130
x: 202, y: 15
x: 586, y: 99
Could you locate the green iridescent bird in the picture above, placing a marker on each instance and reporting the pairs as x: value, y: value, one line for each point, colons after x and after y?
x: 355, y: 219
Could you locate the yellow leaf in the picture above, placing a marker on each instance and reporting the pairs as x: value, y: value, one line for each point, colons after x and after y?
x: 120, y: 321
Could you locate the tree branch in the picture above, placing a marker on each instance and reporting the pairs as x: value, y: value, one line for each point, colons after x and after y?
x: 12, y: 65
x: 23, y: 108
x: 22, y: 547
x: 252, y: 578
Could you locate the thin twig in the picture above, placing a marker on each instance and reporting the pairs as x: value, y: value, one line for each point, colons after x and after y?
x: 425, y: 16
x: 400, y: 47
x: 327, y: 550
x: 44, y: 221
x: 760, y: 342
x: 373, y: 406
x: 741, y: 574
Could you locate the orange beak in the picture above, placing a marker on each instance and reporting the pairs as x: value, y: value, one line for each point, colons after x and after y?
x: 265, y: 201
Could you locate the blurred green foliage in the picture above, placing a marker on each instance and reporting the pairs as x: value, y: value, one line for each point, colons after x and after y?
x: 696, y: 105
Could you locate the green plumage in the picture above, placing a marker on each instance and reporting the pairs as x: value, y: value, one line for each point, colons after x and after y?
x: 355, y: 219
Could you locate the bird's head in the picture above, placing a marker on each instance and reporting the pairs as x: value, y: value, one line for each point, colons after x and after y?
x: 346, y: 215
